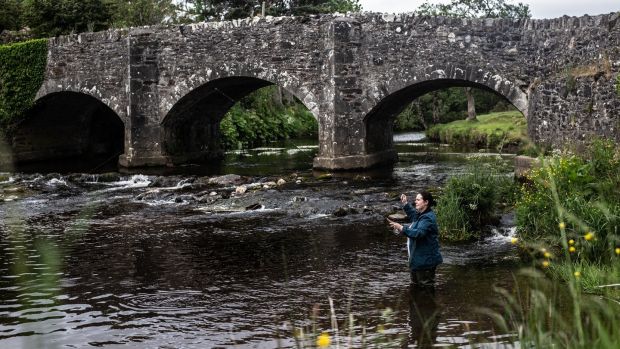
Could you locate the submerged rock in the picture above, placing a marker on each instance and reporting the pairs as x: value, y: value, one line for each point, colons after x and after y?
x: 109, y: 177
x: 228, y: 179
x: 255, y: 206
x: 341, y: 212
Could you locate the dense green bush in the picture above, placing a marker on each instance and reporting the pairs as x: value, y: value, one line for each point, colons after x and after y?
x: 576, y: 198
x: 470, y: 200
x: 22, y: 68
x: 258, y: 119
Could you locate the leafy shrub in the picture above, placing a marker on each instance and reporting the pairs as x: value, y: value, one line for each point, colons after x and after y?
x: 470, y: 200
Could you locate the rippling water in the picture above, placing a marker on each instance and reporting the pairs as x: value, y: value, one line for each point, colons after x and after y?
x: 171, y: 261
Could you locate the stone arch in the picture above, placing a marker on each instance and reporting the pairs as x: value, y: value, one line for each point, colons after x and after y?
x: 193, y: 87
x: 191, y: 125
x: 116, y: 103
x: 393, y: 96
x: 68, y: 125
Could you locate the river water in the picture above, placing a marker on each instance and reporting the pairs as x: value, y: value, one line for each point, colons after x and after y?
x: 170, y: 259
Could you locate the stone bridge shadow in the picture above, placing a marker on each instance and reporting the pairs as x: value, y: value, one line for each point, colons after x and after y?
x: 69, y: 126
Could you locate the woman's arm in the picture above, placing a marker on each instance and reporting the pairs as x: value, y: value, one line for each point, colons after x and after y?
x: 411, y: 212
x: 423, y: 227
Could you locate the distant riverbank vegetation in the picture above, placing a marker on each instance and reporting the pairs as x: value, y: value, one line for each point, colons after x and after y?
x: 497, y: 130
x: 269, y: 114
x: 468, y: 117
x: 447, y: 105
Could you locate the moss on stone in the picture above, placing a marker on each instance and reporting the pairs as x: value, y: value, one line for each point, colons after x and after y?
x: 22, y: 68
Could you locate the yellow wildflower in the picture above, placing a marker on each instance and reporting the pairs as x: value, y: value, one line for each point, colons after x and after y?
x: 571, y: 242
x: 572, y: 249
x: 514, y: 240
x: 323, y: 340
x: 577, y: 274
x: 545, y: 264
x: 589, y: 236
x: 618, y: 250
x: 380, y: 328
x: 547, y: 255
x: 562, y: 225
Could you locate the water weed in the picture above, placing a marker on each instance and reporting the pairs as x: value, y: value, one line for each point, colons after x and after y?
x: 469, y: 201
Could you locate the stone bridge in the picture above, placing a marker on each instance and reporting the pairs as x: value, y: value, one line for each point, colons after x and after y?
x: 157, y: 95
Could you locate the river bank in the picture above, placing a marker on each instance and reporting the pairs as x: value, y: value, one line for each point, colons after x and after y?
x: 504, y: 131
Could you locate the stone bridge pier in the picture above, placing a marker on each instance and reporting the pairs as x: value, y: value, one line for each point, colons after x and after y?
x: 156, y: 95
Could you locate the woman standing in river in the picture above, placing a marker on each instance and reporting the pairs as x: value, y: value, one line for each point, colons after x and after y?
x: 422, y: 238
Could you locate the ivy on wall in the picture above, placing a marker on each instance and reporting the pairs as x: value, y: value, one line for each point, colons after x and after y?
x: 22, y: 69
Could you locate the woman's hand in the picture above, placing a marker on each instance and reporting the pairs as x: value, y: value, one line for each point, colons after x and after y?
x: 396, y: 226
x: 403, y: 198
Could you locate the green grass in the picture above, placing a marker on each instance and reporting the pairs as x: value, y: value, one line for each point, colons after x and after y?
x: 494, y: 130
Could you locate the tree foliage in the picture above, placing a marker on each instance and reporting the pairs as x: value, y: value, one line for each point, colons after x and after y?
x: 232, y: 9
x: 476, y: 9
x: 141, y: 12
x: 55, y: 17
x: 10, y: 14
x: 263, y: 117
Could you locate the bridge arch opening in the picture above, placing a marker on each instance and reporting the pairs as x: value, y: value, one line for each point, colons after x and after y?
x: 192, y: 128
x: 68, y: 126
x: 379, y: 121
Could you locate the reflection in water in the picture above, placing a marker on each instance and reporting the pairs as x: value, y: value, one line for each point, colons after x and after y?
x: 174, y: 261
x: 424, y: 315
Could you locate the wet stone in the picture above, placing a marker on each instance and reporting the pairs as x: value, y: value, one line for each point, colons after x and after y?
x: 398, y: 217
x: 227, y: 179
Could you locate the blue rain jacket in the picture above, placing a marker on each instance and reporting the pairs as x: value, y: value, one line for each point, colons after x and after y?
x: 422, y: 239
